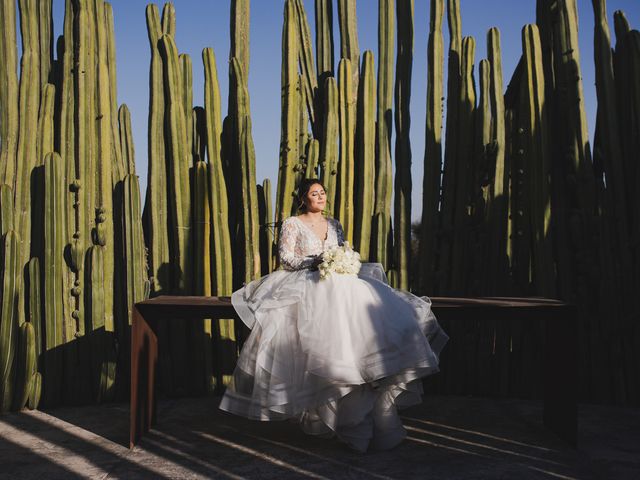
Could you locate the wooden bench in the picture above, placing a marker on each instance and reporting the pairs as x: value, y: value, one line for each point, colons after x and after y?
x: 559, y: 369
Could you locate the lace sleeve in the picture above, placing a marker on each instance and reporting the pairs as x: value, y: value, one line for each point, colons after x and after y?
x: 339, y: 233
x: 290, y: 257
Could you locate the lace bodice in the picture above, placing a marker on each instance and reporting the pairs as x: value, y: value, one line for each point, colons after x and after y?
x: 299, y: 246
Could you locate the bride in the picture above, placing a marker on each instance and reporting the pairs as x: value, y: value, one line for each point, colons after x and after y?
x: 339, y: 354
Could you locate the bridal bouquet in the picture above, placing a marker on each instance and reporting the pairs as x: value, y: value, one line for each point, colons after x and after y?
x: 341, y: 259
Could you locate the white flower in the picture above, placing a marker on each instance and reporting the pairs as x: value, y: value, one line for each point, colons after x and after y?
x: 341, y: 260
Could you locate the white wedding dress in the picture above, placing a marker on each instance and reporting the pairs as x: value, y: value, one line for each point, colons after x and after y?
x: 339, y: 354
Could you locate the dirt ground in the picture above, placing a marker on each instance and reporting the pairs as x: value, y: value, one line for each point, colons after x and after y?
x: 449, y: 437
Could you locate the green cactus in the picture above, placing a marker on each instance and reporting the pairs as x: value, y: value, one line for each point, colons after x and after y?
x: 366, y: 157
x: 498, y: 241
x: 35, y: 301
x: 329, y: 144
x: 240, y: 14
x: 266, y: 235
x: 201, y: 231
x: 53, y: 272
x: 186, y: 69
x: 29, y: 96
x: 324, y: 39
x: 104, y: 134
x: 9, y: 93
x: 45, y: 39
x: 312, y: 158
x: 11, y: 284
x: 384, y: 176
x: 220, y: 240
x: 178, y: 166
x: 26, y: 365
x: 449, y: 178
x: 134, y: 243
x: 199, y: 125
x: 36, y: 391
x: 113, y: 93
x: 433, y: 149
x: 608, y: 143
x: 308, y: 69
x: 126, y: 141
x: 156, y: 207
x: 250, y: 202
x: 402, y: 202
x: 324, y: 51
x: 466, y: 144
x: 349, y: 47
x: 168, y: 25
x: 537, y: 163
x: 346, y: 170
x: 6, y: 209
x: 290, y: 107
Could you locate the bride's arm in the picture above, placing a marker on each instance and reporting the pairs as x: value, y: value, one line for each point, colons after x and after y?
x: 289, y: 259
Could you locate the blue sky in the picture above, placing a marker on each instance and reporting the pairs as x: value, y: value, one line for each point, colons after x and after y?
x: 205, y: 23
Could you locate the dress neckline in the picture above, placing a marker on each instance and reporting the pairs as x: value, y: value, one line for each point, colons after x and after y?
x: 326, y: 235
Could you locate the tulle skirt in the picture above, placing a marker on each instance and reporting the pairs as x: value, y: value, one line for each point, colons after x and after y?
x: 340, y: 355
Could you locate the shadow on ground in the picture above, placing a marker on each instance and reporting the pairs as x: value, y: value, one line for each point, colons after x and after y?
x: 448, y: 438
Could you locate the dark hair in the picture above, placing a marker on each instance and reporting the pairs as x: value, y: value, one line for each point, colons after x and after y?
x: 303, y: 189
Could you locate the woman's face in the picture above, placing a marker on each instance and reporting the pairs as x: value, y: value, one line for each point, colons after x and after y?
x: 316, y: 198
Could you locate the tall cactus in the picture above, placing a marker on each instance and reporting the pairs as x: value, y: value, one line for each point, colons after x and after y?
x: 104, y: 132
x: 346, y: 171
x: 349, y: 45
x: 366, y: 157
x: 26, y: 368
x: 607, y: 142
x: 499, y: 243
x: 9, y: 120
x: 178, y: 156
x: 308, y: 69
x: 465, y: 167
x: 53, y: 263
x: 290, y: 106
x: 11, y: 284
x: 324, y: 49
x: 384, y: 176
x: 536, y: 156
x: 329, y: 144
x: 240, y: 13
x: 6, y: 209
x: 402, y: 203
x: 156, y: 205
x: 450, y: 173
x: 433, y: 148
x: 220, y: 241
